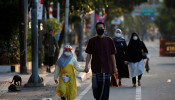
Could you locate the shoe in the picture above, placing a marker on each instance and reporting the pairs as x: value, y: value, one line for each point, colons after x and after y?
x: 63, y: 98
x: 47, y: 69
x: 139, y: 84
x: 134, y: 85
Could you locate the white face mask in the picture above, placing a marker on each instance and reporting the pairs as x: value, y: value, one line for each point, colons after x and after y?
x: 135, y: 37
x: 117, y: 34
x: 67, y: 53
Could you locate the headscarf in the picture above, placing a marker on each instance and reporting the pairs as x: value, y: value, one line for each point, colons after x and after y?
x: 64, y: 60
x: 134, y: 41
x: 135, y: 48
x: 118, y: 39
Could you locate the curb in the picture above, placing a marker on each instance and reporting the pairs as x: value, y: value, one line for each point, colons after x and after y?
x: 83, y: 76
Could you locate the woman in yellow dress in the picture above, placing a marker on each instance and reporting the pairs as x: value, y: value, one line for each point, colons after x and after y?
x: 65, y: 66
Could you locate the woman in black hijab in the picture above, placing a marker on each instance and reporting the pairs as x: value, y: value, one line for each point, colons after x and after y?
x: 136, y: 53
x: 120, y: 56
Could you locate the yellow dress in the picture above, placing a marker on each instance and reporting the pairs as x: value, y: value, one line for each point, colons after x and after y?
x: 67, y: 81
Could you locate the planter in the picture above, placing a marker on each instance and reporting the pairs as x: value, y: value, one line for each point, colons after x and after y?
x: 5, y: 68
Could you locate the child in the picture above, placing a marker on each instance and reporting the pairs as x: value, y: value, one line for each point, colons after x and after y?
x: 65, y: 65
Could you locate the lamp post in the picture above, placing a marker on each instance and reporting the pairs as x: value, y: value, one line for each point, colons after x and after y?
x: 66, y: 22
x: 34, y: 80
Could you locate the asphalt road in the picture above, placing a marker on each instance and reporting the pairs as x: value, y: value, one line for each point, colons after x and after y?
x: 158, y: 84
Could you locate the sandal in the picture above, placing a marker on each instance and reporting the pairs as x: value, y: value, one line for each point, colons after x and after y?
x: 139, y: 84
x: 134, y: 85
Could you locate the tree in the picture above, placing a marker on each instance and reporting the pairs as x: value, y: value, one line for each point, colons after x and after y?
x: 136, y: 24
x: 165, y: 21
x: 170, y: 3
x: 115, y: 8
x: 54, y: 24
x: 9, y: 31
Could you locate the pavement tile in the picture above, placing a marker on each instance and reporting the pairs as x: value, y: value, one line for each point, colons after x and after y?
x: 33, y: 93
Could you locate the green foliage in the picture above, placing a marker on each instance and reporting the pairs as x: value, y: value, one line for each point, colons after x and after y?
x: 166, y: 21
x: 29, y: 53
x: 29, y: 45
x: 75, y: 18
x: 170, y: 3
x: 113, y: 8
x: 116, y: 8
x: 11, y: 50
x: 127, y: 5
x: 9, y: 30
x: 54, y: 24
x: 14, y: 50
x: 9, y: 19
x: 137, y: 24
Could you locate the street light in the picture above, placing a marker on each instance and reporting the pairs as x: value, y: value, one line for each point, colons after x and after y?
x: 66, y: 22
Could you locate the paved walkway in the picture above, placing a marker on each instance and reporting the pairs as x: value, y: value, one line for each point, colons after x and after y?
x: 34, y: 93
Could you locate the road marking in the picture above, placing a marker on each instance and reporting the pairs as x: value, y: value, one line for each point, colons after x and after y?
x: 83, y: 93
x: 138, y: 93
x: 46, y: 98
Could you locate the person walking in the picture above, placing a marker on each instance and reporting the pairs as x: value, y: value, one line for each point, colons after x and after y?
x: 65, y: 66
x: 102, y: 50
x: 120, y: 56
x: 50, y: 49
x: 136, y: 53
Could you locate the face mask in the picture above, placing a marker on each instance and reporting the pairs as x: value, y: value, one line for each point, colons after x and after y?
x: 117, y: 34
x: 135, y: 37
x: 100, y: 31
x: 67, y: 53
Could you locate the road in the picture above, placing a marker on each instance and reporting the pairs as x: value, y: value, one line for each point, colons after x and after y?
x: 158, y: 84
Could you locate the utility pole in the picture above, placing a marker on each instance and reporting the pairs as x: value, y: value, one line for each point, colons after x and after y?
x: 34, y: 80
x: 23, y: 35
x: 80, y: 40
x: 58, y: 18
x: 66, y: 21
x: 80, y: 37
x: 58, y: 11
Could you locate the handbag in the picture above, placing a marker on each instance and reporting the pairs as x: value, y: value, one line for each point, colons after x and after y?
x: 147, y: 66
x: 114, y: 80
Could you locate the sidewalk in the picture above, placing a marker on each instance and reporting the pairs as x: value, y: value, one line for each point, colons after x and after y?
x: 34, y: 93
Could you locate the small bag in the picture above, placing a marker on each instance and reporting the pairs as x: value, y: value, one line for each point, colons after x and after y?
x: 114, y: 80
x: 147, y: 66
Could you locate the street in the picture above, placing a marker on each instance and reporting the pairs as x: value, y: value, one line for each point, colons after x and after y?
x: 45, y: 44
x: 158, y: 84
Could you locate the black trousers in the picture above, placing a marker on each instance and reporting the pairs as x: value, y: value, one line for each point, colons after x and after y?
x: 48, y: 60
x: 101, y: 86
x: 134, y: 79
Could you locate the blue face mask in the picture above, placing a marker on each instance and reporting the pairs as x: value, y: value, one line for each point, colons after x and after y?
x: 100, y: 31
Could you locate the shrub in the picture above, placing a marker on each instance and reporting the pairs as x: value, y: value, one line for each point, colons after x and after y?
x: 54, y: 24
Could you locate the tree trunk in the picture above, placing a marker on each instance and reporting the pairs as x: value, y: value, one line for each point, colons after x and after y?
x: 79, y: 30
x: 23, y: 36
x: 60, y: 40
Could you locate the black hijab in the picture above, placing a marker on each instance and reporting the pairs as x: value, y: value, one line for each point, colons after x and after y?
x: 135, y: 47
x: 132, y: 40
